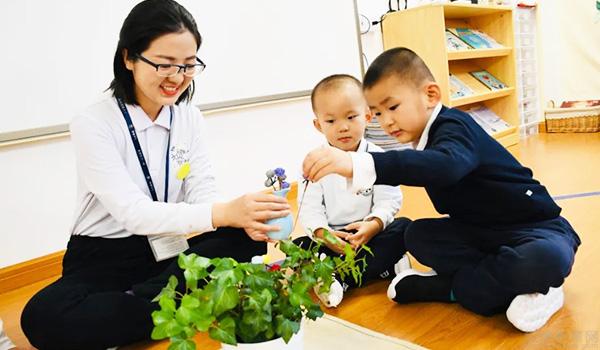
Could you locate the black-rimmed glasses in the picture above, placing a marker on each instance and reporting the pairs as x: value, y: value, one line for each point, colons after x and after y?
x: 171, y: 70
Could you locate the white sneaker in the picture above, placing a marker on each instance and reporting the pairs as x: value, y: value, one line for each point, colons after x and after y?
x: 402, y: 264
x: 529, y: 312
x: 332, y: 298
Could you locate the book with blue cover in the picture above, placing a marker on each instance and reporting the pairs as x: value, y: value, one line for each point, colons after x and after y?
x: 475, y: 38
x: 454, y: 43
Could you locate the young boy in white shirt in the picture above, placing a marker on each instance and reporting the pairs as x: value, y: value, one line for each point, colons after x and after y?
x: 366, y: 217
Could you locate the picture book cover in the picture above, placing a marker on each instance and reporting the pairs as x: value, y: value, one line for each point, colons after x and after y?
x: 458, y: 88
x: 487, y: 119
x: 491, y: 41
x: 471, y: 37
x: 453, y: 43
x: 488, y: 80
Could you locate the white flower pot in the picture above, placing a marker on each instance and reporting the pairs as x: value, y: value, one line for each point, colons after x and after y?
x: 296, y: 343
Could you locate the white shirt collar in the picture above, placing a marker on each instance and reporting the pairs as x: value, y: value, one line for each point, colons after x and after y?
x: 362, y: 146
x: 141, y: 121
x: 425, y: 135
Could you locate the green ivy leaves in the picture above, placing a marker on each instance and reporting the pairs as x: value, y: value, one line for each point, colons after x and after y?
x: 248, y: 302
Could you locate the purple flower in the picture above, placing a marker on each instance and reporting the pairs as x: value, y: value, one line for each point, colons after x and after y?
x: 279, y: 172
x: 284, y: 185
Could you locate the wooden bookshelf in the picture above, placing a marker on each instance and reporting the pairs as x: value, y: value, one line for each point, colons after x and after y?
x: 479, y: 53
x: 480, y: 97
x: 422, y: 29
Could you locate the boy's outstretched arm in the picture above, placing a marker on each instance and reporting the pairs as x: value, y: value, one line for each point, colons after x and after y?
x: 451, y: 155
x: 326, y: 160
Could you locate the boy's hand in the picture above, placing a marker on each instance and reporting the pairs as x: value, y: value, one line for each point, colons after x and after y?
x: 326, y: 160
x: 365, y: 231
x: 340, y: 237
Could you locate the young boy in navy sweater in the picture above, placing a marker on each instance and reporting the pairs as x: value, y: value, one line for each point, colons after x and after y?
x: 503, y: 245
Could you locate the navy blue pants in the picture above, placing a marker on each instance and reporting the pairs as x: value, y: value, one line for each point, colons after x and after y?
x: 491, y: 266
x: 387, y: 247
x: 87, y: 308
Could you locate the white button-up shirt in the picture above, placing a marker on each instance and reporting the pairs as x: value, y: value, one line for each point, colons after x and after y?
x: 363, y: 166
x: 113, y: 199
x: 328, y: 203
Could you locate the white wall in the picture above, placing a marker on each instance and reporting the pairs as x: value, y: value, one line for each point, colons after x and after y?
x: 248, y: 142
x: 570, y: 49
x: 275, y: 37
x: 37, y: 187
x: 38, y: 181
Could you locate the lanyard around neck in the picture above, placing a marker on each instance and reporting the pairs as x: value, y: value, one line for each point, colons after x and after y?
x: 140, y: 155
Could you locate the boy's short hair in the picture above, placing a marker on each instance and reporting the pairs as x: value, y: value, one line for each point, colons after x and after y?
x: 401, y: 62
x: 332, y: 82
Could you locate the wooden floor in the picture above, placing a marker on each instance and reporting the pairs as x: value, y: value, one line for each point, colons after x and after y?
x: 566, y: 164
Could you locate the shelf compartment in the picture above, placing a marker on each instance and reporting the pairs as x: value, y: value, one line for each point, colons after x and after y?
x: 480, y: 97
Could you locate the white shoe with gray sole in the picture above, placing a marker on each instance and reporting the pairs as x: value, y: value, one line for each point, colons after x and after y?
x: 529, y: 312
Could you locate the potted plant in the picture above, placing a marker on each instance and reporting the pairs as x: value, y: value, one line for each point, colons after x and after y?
x: 251, y: 303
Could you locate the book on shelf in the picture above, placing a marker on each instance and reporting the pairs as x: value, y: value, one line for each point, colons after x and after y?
x: 375, y: 133
x: 488, y: 120
x: 453, y: 42
x: 475, y: 38
x: 488, y: 80
x: 493, y: 43
x: 458, y: 88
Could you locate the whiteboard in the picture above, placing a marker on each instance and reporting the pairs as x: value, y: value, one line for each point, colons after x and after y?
x: 57, y: 55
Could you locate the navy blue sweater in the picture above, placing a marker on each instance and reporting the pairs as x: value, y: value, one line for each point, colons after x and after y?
x: 468, y: 175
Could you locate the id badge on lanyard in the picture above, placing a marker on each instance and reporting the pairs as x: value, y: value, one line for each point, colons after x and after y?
x: 163, y: 246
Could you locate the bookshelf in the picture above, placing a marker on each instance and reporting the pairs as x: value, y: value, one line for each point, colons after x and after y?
x: 422, y: 29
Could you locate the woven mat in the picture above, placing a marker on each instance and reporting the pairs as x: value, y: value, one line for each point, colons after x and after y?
x: 330, y: 333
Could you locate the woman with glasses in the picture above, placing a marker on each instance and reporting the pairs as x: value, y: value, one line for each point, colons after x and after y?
x: 144, y: 185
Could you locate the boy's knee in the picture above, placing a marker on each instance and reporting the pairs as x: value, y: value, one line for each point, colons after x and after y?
x: 399, y: 225
x: 543, y: 267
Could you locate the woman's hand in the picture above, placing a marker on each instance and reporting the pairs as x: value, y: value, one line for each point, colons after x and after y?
x: 250, y: 212
x: 258, y: 235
